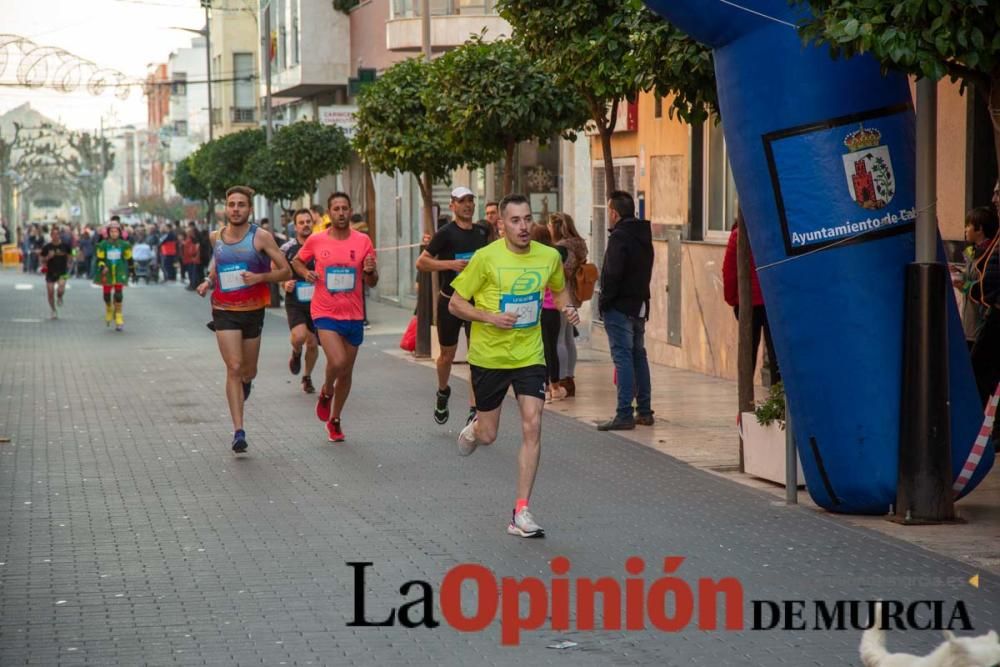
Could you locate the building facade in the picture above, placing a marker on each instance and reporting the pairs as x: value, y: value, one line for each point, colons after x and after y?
x: 235, y: 49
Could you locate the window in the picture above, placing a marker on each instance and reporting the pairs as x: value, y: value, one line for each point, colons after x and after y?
x: 719, y: 194
x: 624, y: 180
x: 180, y: 128
x: 243, y: 88
x: 178, y: 87
x: 657, y: 107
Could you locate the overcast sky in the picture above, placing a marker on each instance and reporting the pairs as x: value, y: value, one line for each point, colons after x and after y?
x: 125, y: 35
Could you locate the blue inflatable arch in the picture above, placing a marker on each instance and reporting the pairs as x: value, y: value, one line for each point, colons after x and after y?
x: 823, y: 156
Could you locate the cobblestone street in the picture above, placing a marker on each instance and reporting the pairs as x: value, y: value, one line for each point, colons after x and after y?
x: 130, y: 534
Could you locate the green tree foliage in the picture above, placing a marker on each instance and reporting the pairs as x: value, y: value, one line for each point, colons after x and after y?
x: 158, y: 206
x: 491, y: 96
x: 396, y: 131
x: 220, y: 164
x: 300, y: 155
x: 186, y: 184
x: 609, y: 50
x: 933, y: 38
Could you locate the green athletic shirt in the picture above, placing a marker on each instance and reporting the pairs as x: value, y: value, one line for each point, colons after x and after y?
x: 501, y: 280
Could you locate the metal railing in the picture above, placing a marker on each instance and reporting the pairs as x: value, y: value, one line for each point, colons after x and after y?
x: 407, y: 9
x: 242, y: 114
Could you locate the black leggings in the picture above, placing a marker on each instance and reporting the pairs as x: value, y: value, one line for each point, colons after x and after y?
x: 550, y: 340
x: 760, y: 325
x: 986, y: 356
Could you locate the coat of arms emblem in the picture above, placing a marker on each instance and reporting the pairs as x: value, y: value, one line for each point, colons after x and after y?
x: 868, y: 168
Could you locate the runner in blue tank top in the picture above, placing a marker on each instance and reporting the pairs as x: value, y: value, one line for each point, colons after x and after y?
x: 240, y: 271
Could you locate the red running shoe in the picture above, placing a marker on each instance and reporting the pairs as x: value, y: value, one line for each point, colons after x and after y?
x: 323, y: 407
x: 333, y: 432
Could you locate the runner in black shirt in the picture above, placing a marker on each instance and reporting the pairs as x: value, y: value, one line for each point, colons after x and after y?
x: 55, y: 254
x: 298, y: 296
x: 448, y: 252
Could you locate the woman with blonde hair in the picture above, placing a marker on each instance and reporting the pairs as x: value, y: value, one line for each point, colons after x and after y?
x: 564, y: 235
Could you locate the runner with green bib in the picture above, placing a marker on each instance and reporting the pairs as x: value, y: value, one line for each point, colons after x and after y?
x: 507, y: 281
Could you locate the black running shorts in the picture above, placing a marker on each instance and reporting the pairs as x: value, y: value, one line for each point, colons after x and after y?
x: 249, y: 322
x: 299, y: 314
x: 490, y: 384
x: 448, y: 325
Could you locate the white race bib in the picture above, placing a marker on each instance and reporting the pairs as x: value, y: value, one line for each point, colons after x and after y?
x: 340, y: 278
x: 527, y: 307
x: 304, y: 291
x: 231, y: 277
x: 114, y: 254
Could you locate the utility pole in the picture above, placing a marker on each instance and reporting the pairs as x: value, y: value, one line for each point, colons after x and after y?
x: 426, y: 281
x: 265, y: 49
x: 100, y: 193
x: 207, y: 4
x: 923, y: 493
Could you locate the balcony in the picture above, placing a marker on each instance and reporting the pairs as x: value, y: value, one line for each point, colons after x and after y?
x: 242, y: 114
x: 452, y: 22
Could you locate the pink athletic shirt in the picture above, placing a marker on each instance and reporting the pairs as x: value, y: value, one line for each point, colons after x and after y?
x: 339, y: 271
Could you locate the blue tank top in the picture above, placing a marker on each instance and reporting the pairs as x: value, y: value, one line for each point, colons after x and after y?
x: 232, y: 258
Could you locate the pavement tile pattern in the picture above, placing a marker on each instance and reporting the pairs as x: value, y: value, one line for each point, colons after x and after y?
x: 129, y: 533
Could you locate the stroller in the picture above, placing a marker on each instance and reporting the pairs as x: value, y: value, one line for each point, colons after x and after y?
x: 145, y: 267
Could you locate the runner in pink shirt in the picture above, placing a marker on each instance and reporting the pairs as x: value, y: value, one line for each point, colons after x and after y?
x: 344, y: 259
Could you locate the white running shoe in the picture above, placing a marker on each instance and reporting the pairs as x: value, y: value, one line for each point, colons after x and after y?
x: 467, y: 439
x: 523, y: 524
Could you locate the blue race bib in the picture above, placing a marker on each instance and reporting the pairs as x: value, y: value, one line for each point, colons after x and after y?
x: 340, y: 278
x: 527, y: 307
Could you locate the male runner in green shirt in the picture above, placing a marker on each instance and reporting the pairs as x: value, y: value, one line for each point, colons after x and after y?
x: 507, y: 280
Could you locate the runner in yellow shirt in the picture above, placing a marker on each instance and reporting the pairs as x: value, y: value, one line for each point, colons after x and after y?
x: 507, y: 280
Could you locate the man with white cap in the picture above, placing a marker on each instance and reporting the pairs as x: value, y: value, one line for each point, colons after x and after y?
x: 448, y: 252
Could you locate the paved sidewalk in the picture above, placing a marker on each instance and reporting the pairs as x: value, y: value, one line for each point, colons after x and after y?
x: 131, y: 535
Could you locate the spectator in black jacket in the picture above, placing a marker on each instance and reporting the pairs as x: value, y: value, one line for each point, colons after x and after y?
x: 986, y: 292
x: 624, y: 305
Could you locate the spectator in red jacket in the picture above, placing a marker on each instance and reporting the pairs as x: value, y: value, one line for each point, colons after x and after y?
x: 731, y: 293
x: 191, y: 257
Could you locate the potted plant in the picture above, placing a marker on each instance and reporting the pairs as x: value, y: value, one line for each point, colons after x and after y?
x: 763, y: 436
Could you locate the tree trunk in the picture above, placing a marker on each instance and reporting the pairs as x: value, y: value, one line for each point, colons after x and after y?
x: 426, y: 283
x: 427, y: 196
x: 745, y: 354
x: 609, y: 163
x: 508, y: 168
x: 598, y: 112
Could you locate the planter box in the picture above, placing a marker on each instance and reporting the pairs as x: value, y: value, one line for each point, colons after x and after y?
x: 764, y: 451
x: 461, y: 353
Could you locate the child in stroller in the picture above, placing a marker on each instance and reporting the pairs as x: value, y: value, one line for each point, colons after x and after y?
x: 143, y: 256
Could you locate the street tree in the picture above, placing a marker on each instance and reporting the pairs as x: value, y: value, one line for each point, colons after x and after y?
x: 300, y: 155
x: 396, y: 131
x: 90, y: 161
x: 159, y: 207
x: 610, y: 50
x: 955, y: 38
x: 221, y: 163
x: 186, y: 184
x: 492, y: 96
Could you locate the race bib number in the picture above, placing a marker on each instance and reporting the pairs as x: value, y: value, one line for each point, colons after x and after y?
x: 231, y: 277
x: 304, y: 291
x: 340, y: 278
x: 527, y: 307
x: 114, y: 254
